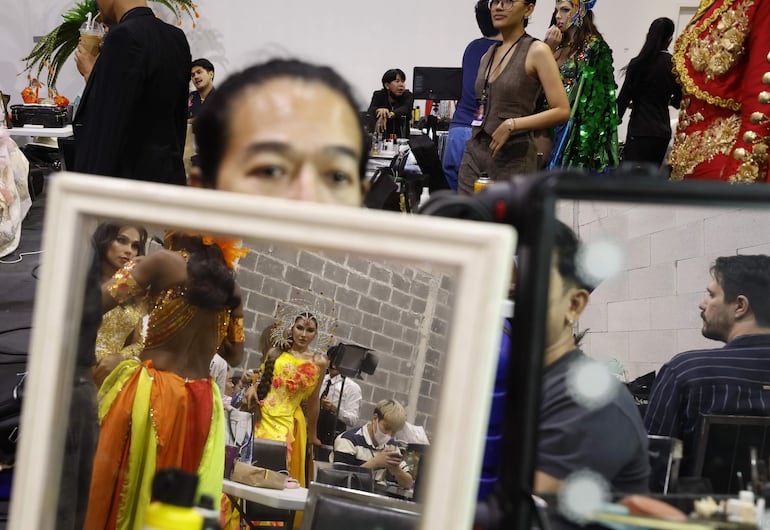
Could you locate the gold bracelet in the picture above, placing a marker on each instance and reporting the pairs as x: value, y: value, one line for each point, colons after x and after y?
x: 124, y: 286
x: 235, y: 331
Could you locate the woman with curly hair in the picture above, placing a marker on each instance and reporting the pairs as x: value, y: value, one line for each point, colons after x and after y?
x: 162, y: 409
x: 589, y: 139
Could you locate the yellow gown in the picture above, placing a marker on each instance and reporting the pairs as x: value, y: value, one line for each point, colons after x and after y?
x: 282, y: 416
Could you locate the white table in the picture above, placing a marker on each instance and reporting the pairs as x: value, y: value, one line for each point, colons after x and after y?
x: 293, y: 499
x: 46, y: 132
x: 286, y: 499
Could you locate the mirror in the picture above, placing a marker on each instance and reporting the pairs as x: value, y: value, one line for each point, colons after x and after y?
x: 421, y: 292
x: 666, y: 235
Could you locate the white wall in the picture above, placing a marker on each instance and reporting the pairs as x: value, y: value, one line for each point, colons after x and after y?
x: 361, y: 39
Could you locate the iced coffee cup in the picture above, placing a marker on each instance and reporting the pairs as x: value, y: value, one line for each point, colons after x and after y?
x: 91, y: 37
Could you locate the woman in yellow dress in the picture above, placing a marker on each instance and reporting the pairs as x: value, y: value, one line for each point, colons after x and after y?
x: 291, y: 374
x: 120, y: 334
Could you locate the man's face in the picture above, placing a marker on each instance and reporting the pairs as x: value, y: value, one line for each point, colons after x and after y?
x: 718, y: 316
x: 201, y: 78
x: 293, y: 139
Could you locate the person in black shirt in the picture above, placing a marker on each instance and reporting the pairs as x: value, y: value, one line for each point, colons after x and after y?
x: 578, y: 430
x: 391, y: 105
x: 649, y: 88
x: 202, y: 75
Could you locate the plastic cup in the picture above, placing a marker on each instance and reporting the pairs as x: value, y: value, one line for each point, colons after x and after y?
x: 91, y: 39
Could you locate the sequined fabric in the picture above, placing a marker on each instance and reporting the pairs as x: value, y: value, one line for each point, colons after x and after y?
x: 590, y: 138
x: 118, y: 324
x: 170, y: 313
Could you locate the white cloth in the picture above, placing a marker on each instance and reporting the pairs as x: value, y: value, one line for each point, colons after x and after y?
x: 218, y: 372
x: 14, y: 192
x: 351, y: 398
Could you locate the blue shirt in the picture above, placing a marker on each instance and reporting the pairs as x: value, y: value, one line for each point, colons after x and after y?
x: 734, y: 379
x: 466, y: 107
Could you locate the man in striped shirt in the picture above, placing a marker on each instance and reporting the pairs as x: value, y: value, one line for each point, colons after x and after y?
x: 733, y: 379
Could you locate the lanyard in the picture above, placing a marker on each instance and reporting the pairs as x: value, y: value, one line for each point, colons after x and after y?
x: 489, y: 66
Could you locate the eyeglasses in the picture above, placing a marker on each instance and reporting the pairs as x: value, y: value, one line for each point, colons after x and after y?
x: 507, y: 5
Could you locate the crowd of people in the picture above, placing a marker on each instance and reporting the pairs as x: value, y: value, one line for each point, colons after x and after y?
x: 164, y: 338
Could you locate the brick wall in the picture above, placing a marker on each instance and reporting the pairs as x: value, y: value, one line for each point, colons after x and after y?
x: 649, y: 312
x: 400, y: 312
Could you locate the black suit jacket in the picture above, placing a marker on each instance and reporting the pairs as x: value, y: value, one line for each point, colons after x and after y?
x: 132, y: 117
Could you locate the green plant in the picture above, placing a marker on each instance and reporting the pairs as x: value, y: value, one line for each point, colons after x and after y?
x: 51, y: 51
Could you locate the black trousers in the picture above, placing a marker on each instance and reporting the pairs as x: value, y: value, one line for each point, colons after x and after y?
x: 650, y: 149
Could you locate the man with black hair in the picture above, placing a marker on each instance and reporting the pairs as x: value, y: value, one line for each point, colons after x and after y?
x: 202, y: 76
x: 580, y: 430
x: 733, y: 379
x: 460, y: 126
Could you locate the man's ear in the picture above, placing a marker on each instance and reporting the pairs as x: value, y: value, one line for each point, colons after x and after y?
x: 578, y: 299
x: 742, y: 306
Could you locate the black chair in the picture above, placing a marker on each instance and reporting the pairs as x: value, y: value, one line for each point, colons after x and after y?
x: 333, y: 508
x: 426, y: 154
x: 346, y: 476
x: 724, y: 448
x: 665, y: 455
x: 270, y: 454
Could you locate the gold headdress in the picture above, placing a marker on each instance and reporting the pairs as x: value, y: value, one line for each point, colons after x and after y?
x: 303, y: 304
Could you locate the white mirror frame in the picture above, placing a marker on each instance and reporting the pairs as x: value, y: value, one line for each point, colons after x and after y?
x: 481, y: 253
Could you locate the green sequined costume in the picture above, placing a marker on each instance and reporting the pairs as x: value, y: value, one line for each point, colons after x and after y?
x: 589, y: 139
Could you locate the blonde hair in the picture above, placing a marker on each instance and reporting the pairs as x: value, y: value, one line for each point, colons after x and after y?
x: 392, y: 411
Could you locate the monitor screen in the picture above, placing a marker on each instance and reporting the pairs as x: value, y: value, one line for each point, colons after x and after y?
x: 437, y: 83
x: 349, y: 359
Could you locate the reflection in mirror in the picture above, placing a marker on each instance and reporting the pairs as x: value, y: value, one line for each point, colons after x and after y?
x: 415, y: 290
x: 399, y: 311
x: 651, y: 275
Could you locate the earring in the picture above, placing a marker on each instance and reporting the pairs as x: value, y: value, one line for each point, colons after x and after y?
x: 570, y: 322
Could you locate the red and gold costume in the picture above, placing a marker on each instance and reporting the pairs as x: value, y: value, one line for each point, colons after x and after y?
x: 722, y: 61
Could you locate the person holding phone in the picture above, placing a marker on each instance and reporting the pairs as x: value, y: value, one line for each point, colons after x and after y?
x: 372, y: 445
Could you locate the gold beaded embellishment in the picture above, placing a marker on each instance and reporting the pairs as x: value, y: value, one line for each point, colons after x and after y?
x: 124, y: 286
x: 715, y: 53
x: 235, y: 331
x: 171, y: 313
x: 692, y: 149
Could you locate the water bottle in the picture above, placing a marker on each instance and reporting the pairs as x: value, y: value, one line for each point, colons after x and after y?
x: 174, y: 492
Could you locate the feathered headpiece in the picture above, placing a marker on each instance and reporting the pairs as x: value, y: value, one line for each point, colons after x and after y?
x: 581, y: 7
x: 305, y: 304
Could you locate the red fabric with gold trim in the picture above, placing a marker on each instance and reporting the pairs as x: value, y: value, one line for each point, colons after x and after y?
x: 721, y: 59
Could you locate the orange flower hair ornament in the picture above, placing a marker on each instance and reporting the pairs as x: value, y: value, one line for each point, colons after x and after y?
x: 231, y: 249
